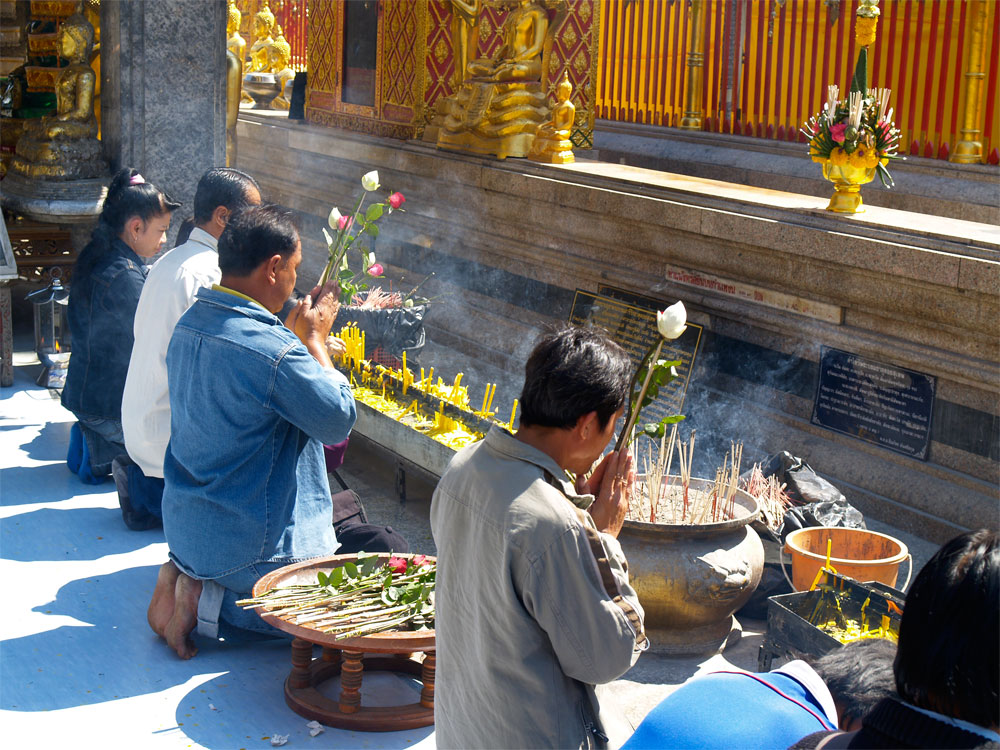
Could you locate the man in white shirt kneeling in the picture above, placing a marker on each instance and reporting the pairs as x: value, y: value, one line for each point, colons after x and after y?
x: 169, y: 291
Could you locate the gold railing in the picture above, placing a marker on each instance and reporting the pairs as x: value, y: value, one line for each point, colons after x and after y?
x: 760, y: 67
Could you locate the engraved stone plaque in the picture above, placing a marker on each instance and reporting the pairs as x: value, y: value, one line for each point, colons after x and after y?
x: 876, y: 402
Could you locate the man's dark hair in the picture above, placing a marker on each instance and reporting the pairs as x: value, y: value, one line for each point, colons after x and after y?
x: 858, y: 675
x: 949, y: 638
x: 573, y: 371
x: 253, y: 235
x: 221, y: 186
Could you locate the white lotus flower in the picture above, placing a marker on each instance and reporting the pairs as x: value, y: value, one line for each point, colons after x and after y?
x: 334, y: 218
x: 672, y: 321
x: 370, y: 181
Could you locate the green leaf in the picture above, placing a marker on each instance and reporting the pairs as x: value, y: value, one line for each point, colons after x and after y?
x: 336, y: 577
x: 323, y: 578
x: 369, y: 563
x: 371, y: 229
x: 350, y: 570
x: 374, y: 212
x: 345, y: 274
x: 673, y: 420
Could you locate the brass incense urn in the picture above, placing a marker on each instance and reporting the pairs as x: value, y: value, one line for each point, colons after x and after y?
x: 691, y: 578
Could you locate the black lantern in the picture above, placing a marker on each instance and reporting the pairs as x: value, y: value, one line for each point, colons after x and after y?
x: 51, y: 332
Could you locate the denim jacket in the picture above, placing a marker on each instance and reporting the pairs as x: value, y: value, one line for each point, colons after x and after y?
x: 250, y: 410
x: 102, y: 304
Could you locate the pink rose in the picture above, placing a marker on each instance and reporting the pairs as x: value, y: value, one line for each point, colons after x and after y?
x: 397, y: 565
x: 375, y: 269
x: 396, y: 200
x: 419, y: 560
x: 344, y: 223
x: 837, y: 131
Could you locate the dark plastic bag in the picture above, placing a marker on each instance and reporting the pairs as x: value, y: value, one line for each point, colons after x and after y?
x: 826, y: 513
x: 393, y: 329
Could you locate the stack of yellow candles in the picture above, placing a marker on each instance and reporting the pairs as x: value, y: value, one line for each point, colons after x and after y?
x: 369, y: 383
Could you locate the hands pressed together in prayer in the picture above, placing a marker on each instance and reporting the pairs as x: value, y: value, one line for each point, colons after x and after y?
x: 312, y: 321
x: 612, y: 484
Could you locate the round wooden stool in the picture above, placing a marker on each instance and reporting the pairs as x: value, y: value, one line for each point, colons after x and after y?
x: 350, y: 657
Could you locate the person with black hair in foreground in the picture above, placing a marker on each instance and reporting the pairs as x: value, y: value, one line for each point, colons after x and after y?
x: 947, y: 666
x: 775, y: 708
x: 104, y: 291
x: 169, y: 290
x: 533, y: 602
x: 251, y: 403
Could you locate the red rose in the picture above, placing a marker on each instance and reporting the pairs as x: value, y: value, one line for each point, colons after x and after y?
x: 419, y: 560
x: 397, y: 565
x: 375, y: 269
x: 396, y: 200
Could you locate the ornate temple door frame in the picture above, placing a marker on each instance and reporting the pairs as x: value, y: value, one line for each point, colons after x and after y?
x: 358, y: 85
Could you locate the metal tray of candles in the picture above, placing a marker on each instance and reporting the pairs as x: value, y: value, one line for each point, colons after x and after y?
x: 806, y: 623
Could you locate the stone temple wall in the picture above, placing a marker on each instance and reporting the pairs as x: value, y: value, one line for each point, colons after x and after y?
x: 510, y: 241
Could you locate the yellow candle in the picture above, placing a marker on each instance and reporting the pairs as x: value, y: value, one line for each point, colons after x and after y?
x: 489, y: 404
x: 486, y: 394
x: 513, y: 412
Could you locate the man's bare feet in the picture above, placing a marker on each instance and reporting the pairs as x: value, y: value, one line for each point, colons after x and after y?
x: 161, y: 607
x: 178, y: 630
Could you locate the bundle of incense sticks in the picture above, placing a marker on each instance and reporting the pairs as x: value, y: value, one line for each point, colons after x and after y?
x: 770, y: 496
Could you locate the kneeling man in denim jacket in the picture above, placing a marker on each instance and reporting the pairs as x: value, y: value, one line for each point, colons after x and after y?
x: 534, y: 606
x: 252, y: 402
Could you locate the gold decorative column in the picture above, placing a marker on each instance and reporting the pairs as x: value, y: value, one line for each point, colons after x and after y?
x: 969, y: 149
x: 695, y: 68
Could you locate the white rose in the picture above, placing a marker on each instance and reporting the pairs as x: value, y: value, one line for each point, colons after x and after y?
x: 334, y: 219
x: 370, y: 181
x: 672, y: 321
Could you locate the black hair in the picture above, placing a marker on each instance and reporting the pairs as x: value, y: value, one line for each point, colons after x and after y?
x: 253, y: 235
x: 949, y: 638
x: 573, y: 371
x: 127, y: 198
x: 221, y: 186
x: 859, y: 675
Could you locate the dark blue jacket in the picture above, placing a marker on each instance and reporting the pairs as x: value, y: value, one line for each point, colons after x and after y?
x: 102, y: 300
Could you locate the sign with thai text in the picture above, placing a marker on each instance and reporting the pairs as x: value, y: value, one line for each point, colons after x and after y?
x: 757, y: 294
x: 876, y: 402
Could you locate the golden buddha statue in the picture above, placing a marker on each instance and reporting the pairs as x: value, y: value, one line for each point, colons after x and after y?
x: 280, y: 56
x: 464, y: 36
x: 234, y: 88
x: 263, y: 28
x: 64, y: 146
x: 552, y: 144
x: 502, y: 100
x: 236, y: 44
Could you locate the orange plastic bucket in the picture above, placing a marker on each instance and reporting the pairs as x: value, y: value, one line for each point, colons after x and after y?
x: 857, y: 553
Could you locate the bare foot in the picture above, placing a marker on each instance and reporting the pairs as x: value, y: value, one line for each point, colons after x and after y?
x: 185, y: 616
x: 161, y: 607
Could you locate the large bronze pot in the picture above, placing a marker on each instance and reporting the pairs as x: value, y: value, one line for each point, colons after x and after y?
x: 692, y: 578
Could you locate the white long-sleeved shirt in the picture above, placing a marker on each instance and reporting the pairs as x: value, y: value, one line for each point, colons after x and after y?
x: 168, y: 292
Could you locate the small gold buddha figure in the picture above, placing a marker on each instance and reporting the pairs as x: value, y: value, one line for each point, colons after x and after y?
x: 236, y: 44
x: 502, y: 102
x: 263, y: 28
x: 552, y: 144
x: 464, y: 36
x: 64, y: 146
x: 280, y: 56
